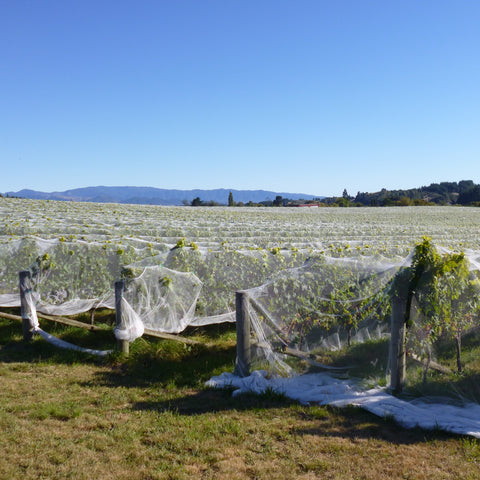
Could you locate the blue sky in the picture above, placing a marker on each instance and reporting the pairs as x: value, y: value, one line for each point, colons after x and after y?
x: 309, y: 96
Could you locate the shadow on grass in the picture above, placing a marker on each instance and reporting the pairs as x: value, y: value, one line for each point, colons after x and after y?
x: 151, y: 360
x: 178, y: 374
x: 367, y: 359
x: 464, y: 387
x: 355, y: 423
x: 14, y: 349
x: 169, y: 364
x: 212, y: 332
x: 348, y: 422
x: 41, y: 351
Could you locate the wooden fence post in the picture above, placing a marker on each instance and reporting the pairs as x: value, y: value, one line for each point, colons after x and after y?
x: 243, y: 360
x: 28, y: 323
x: 398, y: 350
x: 123, y: 345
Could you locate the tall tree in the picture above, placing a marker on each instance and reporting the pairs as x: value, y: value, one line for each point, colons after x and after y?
x: 278, y: 202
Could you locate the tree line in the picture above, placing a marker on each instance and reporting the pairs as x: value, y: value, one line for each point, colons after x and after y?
x: 464, y: 192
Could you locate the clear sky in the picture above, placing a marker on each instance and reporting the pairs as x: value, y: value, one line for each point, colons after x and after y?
x: 308, y: 96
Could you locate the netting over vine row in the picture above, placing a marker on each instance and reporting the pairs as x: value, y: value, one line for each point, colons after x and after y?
x: 357, y: 329
x: 170, y: 289
x: 322, y: 306
x: 318, y: 300
x: 336, y: 316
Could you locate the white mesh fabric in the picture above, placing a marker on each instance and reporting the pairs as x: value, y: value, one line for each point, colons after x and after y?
x: 28, y: 311
x: 326, y: 303
x: 227, y: 249
x: 66, y: 345
x: 130, y: 326
x: 164, y: 299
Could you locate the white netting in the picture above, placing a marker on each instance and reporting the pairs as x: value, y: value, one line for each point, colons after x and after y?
x: 322, y: 388
x: 327, y: 310
x: 222, y: 271
x: 325, y: 279
x: 325, y: 305
x: 68, y: 276
x: 68, y: 346
x: 80, y: 250
x: 164, y: 299
x: 30, y: 322
x: 72, y: 275
x: 28, y: 309
x: 332, y: 320
x: 130, y: 326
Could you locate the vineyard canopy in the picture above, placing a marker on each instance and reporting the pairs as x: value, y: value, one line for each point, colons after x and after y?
x: 319, y: 284
x: 318, y: 279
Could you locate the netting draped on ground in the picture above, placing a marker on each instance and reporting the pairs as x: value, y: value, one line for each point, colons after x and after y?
x: 325, y: 389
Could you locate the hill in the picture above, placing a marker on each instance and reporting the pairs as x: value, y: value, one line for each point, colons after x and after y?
x: 157, y: 196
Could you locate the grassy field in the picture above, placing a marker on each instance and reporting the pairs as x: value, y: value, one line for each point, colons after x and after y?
x: 67, y: 415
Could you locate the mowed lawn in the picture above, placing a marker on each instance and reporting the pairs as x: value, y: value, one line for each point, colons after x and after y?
x: 68, y: 415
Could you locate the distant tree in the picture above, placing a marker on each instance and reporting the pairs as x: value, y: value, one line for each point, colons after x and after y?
x: 469, y: 196
x: 420, y: 202
x: 196, y: 202
x: 363, y: 198
x: 231, y: 202
x: 278, y: 202
x: 387, y: 202
x: 464, y: 185
x: 404, y: 201
x: 342, y: 202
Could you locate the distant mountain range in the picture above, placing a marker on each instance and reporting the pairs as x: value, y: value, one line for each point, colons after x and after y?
x: 157, y: 196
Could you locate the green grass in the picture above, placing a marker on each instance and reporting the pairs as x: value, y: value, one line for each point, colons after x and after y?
x: 459, y: 386
x: 369, y: 361
x: 149, y: 416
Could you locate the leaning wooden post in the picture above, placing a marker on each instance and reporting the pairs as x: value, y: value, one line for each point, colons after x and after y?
x: 123, y: 345
x: 398, y: 337
x: 28, y: 322
x: 243, y: 360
